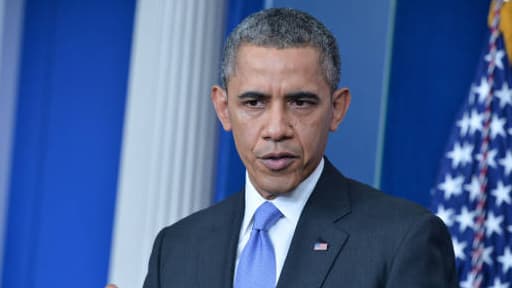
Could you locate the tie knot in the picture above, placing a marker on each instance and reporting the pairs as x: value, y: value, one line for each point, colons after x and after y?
x: 265, y: 216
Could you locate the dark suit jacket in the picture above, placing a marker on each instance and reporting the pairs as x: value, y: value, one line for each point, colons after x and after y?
x: 374, y: 240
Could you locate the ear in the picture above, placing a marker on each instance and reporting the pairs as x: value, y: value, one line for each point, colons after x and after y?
x: 340, y: 103
x: 220, y: 103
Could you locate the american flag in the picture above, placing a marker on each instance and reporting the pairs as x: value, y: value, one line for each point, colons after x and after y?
x: 473, y: 195
x: 320, y: 246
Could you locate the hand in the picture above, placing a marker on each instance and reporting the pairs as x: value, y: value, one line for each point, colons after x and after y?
x: 111, y: 286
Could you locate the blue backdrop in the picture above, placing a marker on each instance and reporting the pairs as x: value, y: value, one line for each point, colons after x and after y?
x: 435, y: 52
x: 72, y: 87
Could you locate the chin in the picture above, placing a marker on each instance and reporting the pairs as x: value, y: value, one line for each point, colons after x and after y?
x: 276, y: 187
x: 275, y: 182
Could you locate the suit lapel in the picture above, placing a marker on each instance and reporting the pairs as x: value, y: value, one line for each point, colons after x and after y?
x: 306, y: 266
x: 217, y: 253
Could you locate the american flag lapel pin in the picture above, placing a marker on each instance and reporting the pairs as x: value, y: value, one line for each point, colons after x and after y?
x: 320, y: 246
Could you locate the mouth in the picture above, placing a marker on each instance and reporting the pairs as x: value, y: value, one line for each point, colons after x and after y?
x: 278, y: 161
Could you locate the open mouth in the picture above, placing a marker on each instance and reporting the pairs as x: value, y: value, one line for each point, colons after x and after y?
x: 277, y: 161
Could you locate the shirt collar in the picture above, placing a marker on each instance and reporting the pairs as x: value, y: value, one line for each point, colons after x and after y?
x: 290, y: 204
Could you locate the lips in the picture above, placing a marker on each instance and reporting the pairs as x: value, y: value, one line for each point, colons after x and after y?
x: 278, y: 161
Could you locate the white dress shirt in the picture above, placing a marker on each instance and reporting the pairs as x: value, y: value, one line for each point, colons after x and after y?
x: 290, y: 205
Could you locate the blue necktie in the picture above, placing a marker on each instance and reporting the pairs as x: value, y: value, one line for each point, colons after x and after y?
x: 257, y: 265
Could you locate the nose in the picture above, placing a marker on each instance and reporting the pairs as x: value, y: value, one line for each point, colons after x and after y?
x: 278, y: 125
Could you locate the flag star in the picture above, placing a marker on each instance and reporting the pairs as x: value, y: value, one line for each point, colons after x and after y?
x: 472, y: 92
x: 497, y: 59
x: 475, y: 121
x: 502, y: 193
x: 506, y: 260
x: 463, y: 124
x: 451, y: 186
x: 498, y: 126
x: 491, y: 158
x: 458, y: 248
x: 460, y: 154
x: 482, y: 90
x: 493, y: 224
x: 506, y: 162
x: 473, y: 188
x: 468, y: 283
x: 486, y: 255
x: 498, y: 284
x: 504, y: 95
x: 491, y: 154
x: 445, y: 214
x: 465, y: 219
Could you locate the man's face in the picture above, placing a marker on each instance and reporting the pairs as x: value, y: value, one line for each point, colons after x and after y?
x: 280, y: 109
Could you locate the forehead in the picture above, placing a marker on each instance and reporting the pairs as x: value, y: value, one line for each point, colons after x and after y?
x: 252, y: 55
x: 273, y: 66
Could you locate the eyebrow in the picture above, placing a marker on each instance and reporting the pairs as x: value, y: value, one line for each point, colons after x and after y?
x: 302, y: 95
x: 289, y: 96
x: 253, y: 95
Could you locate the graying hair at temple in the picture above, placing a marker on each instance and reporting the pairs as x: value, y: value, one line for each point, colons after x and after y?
x: 283, y: 28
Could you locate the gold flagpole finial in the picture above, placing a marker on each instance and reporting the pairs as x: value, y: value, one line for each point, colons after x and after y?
x: 505, y: 25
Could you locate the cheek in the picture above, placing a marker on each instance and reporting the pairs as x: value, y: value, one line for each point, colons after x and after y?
x: 245, y: 134
x: 312, y: 135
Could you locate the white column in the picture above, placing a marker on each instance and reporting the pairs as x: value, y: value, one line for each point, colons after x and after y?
x: 170, y: 127
x: 11, y: 19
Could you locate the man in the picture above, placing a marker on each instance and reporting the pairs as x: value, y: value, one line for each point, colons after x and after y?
x: 298, y: 222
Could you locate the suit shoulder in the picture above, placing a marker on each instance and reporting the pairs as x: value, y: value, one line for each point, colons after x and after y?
x: 392, y: 220
x: 371, y: 199
x: 387, y: 215
x: 364, y: 199
x: 205, y: 218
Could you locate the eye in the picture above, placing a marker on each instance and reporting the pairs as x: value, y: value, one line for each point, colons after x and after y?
x: 299, y: 102
x: 254, y: 103
x: 302, y: 103
x: 253, y: 100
